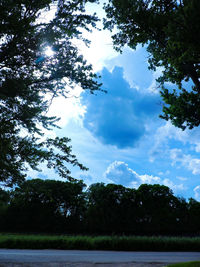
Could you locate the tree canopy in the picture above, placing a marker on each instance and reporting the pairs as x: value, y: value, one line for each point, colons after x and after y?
x: 170, y: 31
x: 46, y: 205
x: 30, y: 80
x: 66, y: 207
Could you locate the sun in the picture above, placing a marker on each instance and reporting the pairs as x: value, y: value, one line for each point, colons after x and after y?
x: 48, y: 51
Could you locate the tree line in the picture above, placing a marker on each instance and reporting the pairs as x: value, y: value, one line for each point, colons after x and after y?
x: 49, y: 206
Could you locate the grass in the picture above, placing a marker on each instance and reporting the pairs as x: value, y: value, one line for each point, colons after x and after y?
x: 122, y: 243
x: 186, y: 264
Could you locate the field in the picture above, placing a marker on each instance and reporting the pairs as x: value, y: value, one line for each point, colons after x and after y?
x: 122, y: 243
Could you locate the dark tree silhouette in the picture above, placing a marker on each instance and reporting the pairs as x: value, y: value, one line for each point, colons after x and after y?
x: 30, y: 80
x: 170, y: 30
x: 47, y: 206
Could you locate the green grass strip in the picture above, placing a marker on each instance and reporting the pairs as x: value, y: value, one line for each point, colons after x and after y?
x: 186, y: 264
x: 122, y: 243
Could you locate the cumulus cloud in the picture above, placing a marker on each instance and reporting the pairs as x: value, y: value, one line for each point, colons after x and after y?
x: 194, y: 139
x: 119, y: 173
x: 100, y: 49
x: 177, y: 156
x: 174, y: 187
x: 168, y: 135
x: 134, y: 63
x: 186, y: 160
x: 149, y: 179
x: 162, y: 136
x: 119, y: 117
x: 67, y: 108
x: 90, y: 179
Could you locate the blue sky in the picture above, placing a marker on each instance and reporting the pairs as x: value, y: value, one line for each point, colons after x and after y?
x: 119, y: 135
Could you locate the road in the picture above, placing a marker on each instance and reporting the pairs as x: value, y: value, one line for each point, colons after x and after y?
x: 82, y: 258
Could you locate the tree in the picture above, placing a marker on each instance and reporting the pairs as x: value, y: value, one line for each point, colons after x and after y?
x: 194, y: 213
x: 158, y: 209
x: 111, y: 209
x: 170, y: 30
x: 47, y: 205
x: 4, y: 203
x: 30, y: 80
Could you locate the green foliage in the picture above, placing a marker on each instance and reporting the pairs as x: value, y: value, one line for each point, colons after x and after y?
x: 151, y: 209
x: 30, y: 80
x: 50, y: 206
x: 186, y: 264
x: 47, y: 206
x: 170, y: 30
x: 106, y: 208
x: 4, y: 202
x: 121, y: 243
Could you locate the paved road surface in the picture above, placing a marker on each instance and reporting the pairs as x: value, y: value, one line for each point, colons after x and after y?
x: 97, y: 258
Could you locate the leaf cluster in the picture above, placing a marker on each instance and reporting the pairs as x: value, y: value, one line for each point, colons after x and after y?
x: 30, y: 80
x: 170, y: 31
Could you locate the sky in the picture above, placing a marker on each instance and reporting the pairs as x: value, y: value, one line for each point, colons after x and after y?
x: 118, y: 135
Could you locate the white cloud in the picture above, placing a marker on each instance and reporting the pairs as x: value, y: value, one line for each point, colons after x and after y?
x: 161, y: 139
x: 174, y: 187
x: 186, y: 160
x: 169, y: 132
x: 161, y: 147
x: 197, y: 192
x: 99, y: 51
x: 90, y: 179
x: 43, y: 172
x: 197, y: 149
x: 194, y: 138
x: 182, y: 178
x: 149, y: 179
x: 66, y: 109
x: 193, y: 165
x: 164, y: 173
x: 119, y: 172
x: 101, y: 46
x: 176, y: 155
